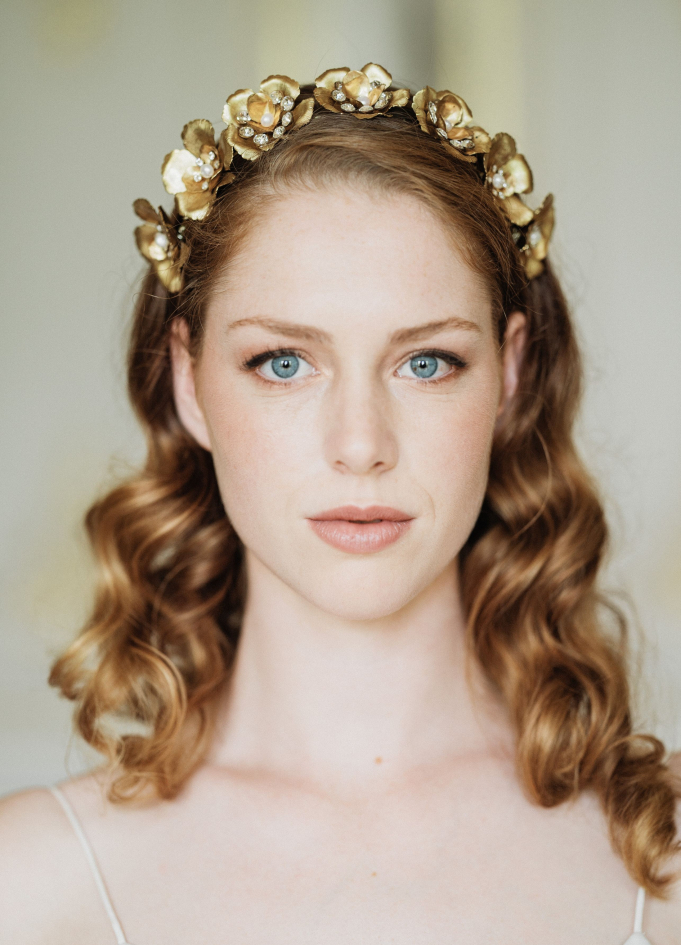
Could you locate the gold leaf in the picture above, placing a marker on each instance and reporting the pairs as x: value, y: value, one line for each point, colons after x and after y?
x: 174, y: 168
x: 328, y: 79
x: 198, y: 134
x: 287, y: 85
x: 302, y: 113
x: 376, y: 73
x: 323, y: 96
x: 400, y: 98
x: 145, y: 211
x: 235, y: 104
x: 517, y: 211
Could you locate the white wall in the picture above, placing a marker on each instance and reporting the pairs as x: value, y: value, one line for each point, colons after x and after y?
x: 95, y: 92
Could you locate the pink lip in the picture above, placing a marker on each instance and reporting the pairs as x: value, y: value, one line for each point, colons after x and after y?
x: 361, y: 531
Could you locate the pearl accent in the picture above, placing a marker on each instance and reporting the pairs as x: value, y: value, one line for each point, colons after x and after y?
x: 207, y: 170
x: 267, y: 120
x: 499, y: 180
x: 161, y: 240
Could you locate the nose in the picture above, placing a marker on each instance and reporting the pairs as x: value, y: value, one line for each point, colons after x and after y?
x: 359, y: 435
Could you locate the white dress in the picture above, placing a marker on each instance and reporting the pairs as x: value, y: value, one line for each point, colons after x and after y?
x: 636, y: 938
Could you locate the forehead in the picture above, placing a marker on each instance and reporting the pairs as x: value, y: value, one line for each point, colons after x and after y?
x: 345, y: 259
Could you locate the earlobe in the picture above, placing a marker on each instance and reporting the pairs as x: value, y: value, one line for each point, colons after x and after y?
x: 513, y: 351
x: 184, y: 387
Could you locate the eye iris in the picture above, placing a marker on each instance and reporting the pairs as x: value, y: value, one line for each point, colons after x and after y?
x: 285, y: 366
x: 424, y: 366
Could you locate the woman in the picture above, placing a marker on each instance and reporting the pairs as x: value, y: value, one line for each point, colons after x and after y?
x: 348, y: 662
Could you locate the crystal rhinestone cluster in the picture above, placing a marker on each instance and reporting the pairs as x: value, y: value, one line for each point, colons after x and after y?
x: 256, y: 121
x: 365, y: 92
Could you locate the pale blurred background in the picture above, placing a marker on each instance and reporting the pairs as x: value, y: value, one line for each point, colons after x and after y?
x: 95, y: 93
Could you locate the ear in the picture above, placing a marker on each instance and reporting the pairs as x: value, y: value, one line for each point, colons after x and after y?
x: 512, y: 352
x: 184, y: 387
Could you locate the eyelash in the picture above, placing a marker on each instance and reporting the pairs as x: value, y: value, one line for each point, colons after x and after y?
x: 452, y: 359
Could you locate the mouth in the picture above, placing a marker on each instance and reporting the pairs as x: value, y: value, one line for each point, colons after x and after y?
x: 352, y: 513
x: 360, y: 531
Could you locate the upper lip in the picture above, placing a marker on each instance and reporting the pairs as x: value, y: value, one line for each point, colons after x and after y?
x: 352, y: 513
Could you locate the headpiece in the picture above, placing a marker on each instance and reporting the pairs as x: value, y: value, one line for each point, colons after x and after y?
x: 256, y: 121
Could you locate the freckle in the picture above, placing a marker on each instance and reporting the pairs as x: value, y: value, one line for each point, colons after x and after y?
x: 378, y: 760
x: 373, y: 874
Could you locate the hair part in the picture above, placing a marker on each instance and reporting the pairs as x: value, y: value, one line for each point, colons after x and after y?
x: 160, y: 643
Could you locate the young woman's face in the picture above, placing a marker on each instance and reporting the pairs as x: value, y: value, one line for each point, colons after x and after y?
x: 349, y: 360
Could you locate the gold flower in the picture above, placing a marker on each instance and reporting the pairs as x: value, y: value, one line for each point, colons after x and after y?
x: 446, y: 116
x: 364, y: 94
x: 507, y: 175
x: 160, y: 243
x: 193, y: 173
x: 537, y: 238
x: 262, y: 118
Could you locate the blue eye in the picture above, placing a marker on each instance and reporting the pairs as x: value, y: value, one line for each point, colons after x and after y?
x: 431, y: 365
x: 280, y: 365
x: 423, y: 365
x: 285, y: 365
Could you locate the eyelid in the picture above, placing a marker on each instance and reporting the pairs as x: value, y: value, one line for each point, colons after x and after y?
x: 443, y: 353
x: 453, y: 360
x: 251, y: 364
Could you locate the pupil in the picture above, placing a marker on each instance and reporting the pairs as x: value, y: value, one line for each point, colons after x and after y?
x: 424, y: 367
x: 285, y: 365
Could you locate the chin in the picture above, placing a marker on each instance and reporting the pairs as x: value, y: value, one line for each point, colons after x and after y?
x: 366, y: 587
x: 361, y: 604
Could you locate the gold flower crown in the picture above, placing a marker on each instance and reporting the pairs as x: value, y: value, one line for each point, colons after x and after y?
x: 256, y: 121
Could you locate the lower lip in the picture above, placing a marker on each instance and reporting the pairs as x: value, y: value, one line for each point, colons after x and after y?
x: 359, y: 538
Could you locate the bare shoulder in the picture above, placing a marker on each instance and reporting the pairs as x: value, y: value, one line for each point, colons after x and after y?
x: 31, y: 824
x: 43, y: 873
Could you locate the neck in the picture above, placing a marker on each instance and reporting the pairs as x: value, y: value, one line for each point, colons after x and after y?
x: 319, y: 697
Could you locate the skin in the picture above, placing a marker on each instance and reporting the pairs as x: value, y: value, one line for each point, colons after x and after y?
x: 360, y: 787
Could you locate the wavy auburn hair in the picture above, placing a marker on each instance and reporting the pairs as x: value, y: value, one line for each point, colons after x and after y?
x: 159, y: 645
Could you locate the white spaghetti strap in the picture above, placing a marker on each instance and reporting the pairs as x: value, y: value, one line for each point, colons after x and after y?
x: 92, y: 863
x: 638, y: 916
x: 638, y: 938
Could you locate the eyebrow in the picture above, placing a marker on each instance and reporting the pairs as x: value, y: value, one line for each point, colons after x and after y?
x: 308, y: 333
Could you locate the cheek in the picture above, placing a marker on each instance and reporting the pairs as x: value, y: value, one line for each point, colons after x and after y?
x: 262, y: 448
x: 448, y: 450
